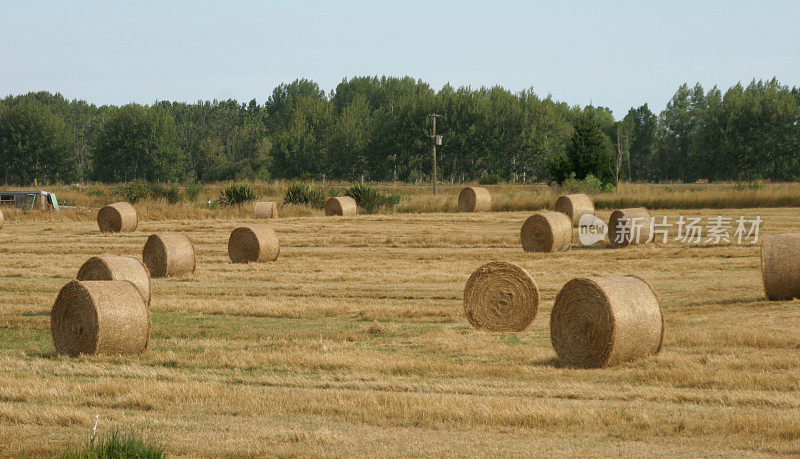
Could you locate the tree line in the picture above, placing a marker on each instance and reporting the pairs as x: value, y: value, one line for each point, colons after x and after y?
x: 379, y: 129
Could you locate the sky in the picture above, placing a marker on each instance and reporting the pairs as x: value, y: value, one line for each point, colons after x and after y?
x: 618, y: 54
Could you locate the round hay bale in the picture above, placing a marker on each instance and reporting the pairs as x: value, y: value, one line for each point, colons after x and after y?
x: 575, y: 206
x: 780, y: 266
x: 99, y: 317
x: 341, y: 206
x: 168, y: 254
x: 474, y: 199
x: 546, y: 232
x: 253, y: 243
x: 2, y: 219
x: 117, y: 268
x: 117, y: 217
x: 602, y: 321
x: 501, y: 296
x: 266, y: 210
x: 629, y: 227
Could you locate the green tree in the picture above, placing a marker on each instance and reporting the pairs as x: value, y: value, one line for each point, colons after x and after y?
x: 549, y: 132
x: 589, y: 152
x: 138, y: 142
x: 348, y: 141
x: 35, y: 144
x: 401, y: 146
x: 678, y: 125
x: 81, y: 118
x: 299, y: 117
x: 643, y: 125
x: 379, y: 127
x: 761, y: 131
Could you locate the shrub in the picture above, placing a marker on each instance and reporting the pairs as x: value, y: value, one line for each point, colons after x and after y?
x: 117, y: 445
x: 590, y: 184
x: 95, y: 192
x: 301, y: 193
x: 744, y: 186
x: 171, y: 193
x: 193, y: 191
x: 134, y: 191
x: 489, y: 179
x: 237, y: 195
x: 370, y: 199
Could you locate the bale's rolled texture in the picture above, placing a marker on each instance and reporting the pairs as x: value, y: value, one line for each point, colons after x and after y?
x: 266, y: 210
x: 780, y: 266
x: 117, y: 217
x: 575, y: 206
x: 341, y: 205
x: 99, y: 317
x: 253, y: 243
x: 2, y: 219
x: 168, y: 254
x: 546, y: 232
x: 474, y: 199
x: 629, y: 227
x: 601, y: 321
x: 501, y: 296
x: 117, y: 268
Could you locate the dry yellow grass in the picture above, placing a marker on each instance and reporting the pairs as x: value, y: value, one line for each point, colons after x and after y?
x: 85, y: 200
x: 354, y: 343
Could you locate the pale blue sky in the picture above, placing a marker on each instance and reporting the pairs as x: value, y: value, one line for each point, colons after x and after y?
x: 613, y: 53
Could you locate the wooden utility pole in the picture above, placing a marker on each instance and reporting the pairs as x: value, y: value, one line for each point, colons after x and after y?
x: 435, y: 140
x: 619, y: 158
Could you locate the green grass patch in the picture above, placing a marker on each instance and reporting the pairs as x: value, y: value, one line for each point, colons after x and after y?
x: 116, y: 445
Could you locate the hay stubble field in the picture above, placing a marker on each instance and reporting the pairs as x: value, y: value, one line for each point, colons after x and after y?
x: 354, y: 342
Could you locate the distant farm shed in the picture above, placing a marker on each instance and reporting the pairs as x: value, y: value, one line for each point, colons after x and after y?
x: 28, y: 200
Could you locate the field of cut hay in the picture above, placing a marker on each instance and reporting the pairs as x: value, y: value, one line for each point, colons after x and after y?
x: 354, y: 342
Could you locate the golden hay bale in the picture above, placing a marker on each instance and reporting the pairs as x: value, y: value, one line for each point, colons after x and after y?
x: 117, y: 217
x: 780, y: 266
x: 2, y: 219
x: 546, y: 232
x: 253, y: 243
x: 168, y: 254
x: 501, y: 296
x: 474, y: 199
x: 341, y: 205
x: 602, y: 321
x: 117, y: 268
x: 266, y: 210
x: 99, y: 317
x: 575, y: 206
x: 629, y: 227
